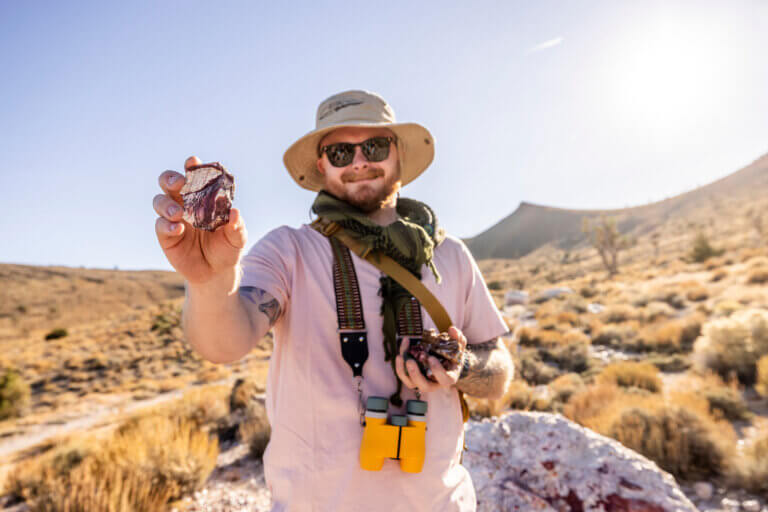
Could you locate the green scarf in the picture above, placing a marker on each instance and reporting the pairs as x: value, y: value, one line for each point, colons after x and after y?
x: 410, y: 241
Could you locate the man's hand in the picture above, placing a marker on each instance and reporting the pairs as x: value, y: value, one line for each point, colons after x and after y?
x: 198, y: 255
x: 412, y: 377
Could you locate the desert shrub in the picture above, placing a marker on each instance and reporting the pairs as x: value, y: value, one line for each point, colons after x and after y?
x: 565, y: 386
x: 697, y: 294
x: 531, y: 368
x: 585, y: 406
x: 632, y: 374
x: 669, y: 294
x: 518, y: 396
x: 255, y: 430
x: 758, y: 275
x: 750, y: 470
x: 56, y: 334
x: 726, y: 402
x: 535, y: 337
x: 762, y: 376
x: 575, y: 304
x: 588, y: 292
x: 677, y: 439
x: 670, y: 363
x: 572, y: 357
x: 615, y: 335
x: 726, y: 307
x: 718, y: 275
x: 702, y: 250
x: 655, y: 310
x: 244, y: 392
x: 14, y: 394
x: 676, y: 431
x: 145, y: 463
x: 732, y: 346
x: 618, y: 313
x: 671, y: 336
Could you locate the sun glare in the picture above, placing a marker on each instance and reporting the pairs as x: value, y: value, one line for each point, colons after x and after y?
x: 666, y: 74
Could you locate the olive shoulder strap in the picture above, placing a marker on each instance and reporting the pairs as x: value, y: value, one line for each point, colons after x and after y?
x: 397, y: 272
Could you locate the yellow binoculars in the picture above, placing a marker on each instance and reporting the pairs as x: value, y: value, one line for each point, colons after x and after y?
x: 402, y: 439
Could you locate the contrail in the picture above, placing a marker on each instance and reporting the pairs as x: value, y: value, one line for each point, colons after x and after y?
x: 545, y: 45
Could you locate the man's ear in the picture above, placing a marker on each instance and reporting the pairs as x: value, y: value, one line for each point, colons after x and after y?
x: 320, y: 167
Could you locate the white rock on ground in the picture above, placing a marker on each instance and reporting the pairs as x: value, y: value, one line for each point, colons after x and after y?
x: 539, y: 461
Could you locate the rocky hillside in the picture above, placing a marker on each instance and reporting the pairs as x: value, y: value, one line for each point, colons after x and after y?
x: 532, y: 226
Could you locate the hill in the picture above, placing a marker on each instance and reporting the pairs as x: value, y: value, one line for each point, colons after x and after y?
x: 532, y: 226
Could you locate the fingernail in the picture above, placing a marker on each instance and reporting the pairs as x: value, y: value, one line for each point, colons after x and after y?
x: 172, y: 179
x: 172, y: 227
x: 173, y: 209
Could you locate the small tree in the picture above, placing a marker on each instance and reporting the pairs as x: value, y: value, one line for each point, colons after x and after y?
x: 701, y: 250
x: 605, y: 237
x: 655, y: 242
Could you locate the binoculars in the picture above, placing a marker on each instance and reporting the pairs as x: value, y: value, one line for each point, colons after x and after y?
x: 402, y: 439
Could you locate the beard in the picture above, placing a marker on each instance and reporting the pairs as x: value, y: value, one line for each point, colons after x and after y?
x: 367, y: 197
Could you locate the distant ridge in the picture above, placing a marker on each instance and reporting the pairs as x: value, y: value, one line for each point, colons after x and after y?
x: 531, y: 225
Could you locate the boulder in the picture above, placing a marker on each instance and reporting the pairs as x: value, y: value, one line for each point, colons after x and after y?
x: 544, y: 462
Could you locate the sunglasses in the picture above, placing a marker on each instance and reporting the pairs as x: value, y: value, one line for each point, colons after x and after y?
x: 341, y: 154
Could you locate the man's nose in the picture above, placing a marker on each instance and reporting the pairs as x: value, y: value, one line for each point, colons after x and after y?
x: 359, y: 160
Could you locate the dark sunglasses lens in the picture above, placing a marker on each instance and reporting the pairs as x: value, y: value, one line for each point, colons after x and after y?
x: 376, y: 149
x: 341, y: 154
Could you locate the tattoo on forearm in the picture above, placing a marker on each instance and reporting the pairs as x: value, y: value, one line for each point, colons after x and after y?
x: 263, y: 300
x: 486, y: 370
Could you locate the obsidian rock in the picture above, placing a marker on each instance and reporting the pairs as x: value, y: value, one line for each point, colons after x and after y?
x: 208, y: 194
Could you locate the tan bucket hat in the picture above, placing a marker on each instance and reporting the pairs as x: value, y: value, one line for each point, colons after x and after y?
x: 415, y: 145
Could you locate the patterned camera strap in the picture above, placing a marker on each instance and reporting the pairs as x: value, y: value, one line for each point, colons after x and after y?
x: 349, y: 311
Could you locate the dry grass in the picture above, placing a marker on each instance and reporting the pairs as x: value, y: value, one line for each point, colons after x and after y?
x: 751, y: 466
x: 762, y: 376
x: 731, y: 346
x: 619, y: 313
x: 677, y: 335
x: 14, y: 394
x: 141, y: 466
x: 676, y: 431
x: 629, y: 374
x: 255, y: 430
x: 758, y: 275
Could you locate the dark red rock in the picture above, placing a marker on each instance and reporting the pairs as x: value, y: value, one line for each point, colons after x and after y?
x: 432, y: 343
x: 208, y: 194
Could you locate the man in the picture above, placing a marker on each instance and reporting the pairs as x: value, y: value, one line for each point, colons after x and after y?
x: 357, y: 158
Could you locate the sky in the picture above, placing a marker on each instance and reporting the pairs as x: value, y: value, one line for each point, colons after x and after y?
x: 588, y: 104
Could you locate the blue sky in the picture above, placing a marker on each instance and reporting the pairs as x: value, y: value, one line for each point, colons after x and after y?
x: 590, y: 104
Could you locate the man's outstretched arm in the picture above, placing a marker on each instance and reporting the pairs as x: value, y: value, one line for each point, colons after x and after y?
x: 487, y: 369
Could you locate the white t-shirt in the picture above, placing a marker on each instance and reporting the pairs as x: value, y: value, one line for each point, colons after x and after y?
x: 311, y: 462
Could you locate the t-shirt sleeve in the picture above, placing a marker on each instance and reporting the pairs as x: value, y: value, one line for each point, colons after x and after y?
x: 482, y: 320
x: 269, y: 265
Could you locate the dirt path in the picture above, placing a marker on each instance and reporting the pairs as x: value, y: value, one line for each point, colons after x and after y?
x: 100, y: 417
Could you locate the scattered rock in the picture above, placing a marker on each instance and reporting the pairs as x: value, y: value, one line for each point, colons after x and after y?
x: 551, y: 293
x: 513, y: 297
x: 526, y: 461
x: 704, y: 490
x: 595, y: 308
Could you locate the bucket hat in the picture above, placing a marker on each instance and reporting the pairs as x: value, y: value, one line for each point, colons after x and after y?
x: 415, y: 145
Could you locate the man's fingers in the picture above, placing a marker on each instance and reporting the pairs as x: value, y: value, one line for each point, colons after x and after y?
x: 234, y: 230
x: 167, y: 207
x: 171, y: 183
x: 191, y: 162
x: 404, y: 344
x: 457, y: 335
x: 400, y: 370
x: 440, y: 373
x: 419, y: 379
x: 168, y: 233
